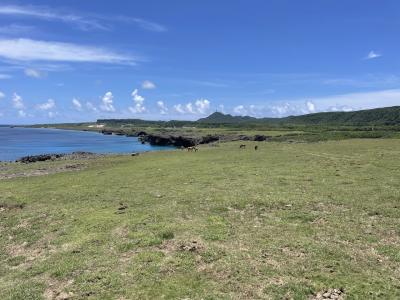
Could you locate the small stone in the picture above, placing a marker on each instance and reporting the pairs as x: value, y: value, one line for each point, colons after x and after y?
x: 326, y: 295
x: 62, y: 296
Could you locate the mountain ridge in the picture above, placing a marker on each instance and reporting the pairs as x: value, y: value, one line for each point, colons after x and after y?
x: 375, y: 116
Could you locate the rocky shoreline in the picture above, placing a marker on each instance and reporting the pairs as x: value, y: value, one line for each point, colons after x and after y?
x: 182, y: 140
x: 56, y: 156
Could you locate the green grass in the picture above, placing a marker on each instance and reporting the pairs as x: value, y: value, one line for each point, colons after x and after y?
x: 286, y: 221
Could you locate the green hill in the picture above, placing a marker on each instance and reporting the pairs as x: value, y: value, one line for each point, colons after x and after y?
x: 377, y: 116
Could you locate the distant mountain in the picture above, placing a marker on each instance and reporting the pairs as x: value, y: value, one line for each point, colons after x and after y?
x: 218, y: 117
x: 377, y: 116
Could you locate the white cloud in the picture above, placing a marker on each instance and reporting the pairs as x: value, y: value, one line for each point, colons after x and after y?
x: 77, y: 104
x: 90, y: 106
x: 340, y: 108
x: 311, y: 107
x: 50, y: 104
x: 202, y: 105
x: 240, y: 110
x: 2, y: 95
x: 190, y: 109
x: 97, y: 22
x: 47, y: 14
x: 107, y: 102
x: 163, y: 108
x: 151, y: 26
x: 292, y: 108
x: 148, y: 85
x: 372, y: 55
x: 21, y: 113
x: 33, y: 50
x: 5, y: 76
x: 18, y: 103
x: 139, y: 103
x: 179, y: 108
x: 33, y: 73
x: 14, y: 29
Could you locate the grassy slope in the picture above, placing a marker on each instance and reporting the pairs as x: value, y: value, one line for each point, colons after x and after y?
x: 287, y: 220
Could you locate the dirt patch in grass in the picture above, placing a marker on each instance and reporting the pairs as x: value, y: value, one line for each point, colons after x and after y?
x: 194, y: 245
x: 44, y: 171
x: 55, y: 290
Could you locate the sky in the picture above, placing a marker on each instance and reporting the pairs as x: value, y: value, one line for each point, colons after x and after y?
x: 74, y: 61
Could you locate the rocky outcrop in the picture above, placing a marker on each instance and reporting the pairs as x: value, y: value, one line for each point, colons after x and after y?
x: 44, y: 157
x: 187, y: 141
x: 36, y: 158
x: 168, y: 140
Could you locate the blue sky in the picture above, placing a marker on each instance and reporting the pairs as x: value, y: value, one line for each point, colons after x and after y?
x: 68, y: 61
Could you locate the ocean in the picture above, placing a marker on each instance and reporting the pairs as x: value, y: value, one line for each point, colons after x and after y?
x: 18, y: 142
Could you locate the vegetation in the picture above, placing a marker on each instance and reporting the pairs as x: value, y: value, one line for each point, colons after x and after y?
x: 285, y: 221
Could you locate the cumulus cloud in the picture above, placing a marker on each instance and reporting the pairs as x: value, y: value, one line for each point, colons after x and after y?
x: 148, y: 85
x: 18, y: 102
x: 240, y: 110
x: 50, y: 104
x: 138, y: 101
x: 179, y: 108
x: 34, y: 50
x: 2, y: 95
x: 33, y: 73
x: 90, y: 106
x: 311, y: 107
x: 21, y: 113
x: 77, y: 104
x: 372, y: 55
x: 162, y: 107
x: 190, y: 109
x: 107, y: 102
x: 292, y: 108
x: 201, y: 106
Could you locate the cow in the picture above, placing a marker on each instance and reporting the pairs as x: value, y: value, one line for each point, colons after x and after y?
x: 242, y: 146
x: 256, y: 147
x: 193, y: 148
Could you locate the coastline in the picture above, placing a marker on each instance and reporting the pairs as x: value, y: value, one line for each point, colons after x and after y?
x: 165, y: 139
x: 38, y: 151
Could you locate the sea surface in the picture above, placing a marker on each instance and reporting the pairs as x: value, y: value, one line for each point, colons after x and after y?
x: 18, y: 142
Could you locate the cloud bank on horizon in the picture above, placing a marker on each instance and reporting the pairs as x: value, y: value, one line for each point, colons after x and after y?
x: 83, y: 62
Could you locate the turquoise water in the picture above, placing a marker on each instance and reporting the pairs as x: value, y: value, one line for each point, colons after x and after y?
x: 18, y: 142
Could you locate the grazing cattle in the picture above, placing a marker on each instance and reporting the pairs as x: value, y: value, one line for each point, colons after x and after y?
x: 242, y: 146
x: 256, y: 147
x: 190, y: 149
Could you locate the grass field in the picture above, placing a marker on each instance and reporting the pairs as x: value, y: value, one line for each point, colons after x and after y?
x: 284, y: 222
